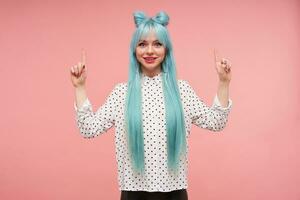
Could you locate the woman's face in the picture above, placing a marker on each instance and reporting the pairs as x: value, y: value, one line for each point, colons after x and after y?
x: 150, y: 53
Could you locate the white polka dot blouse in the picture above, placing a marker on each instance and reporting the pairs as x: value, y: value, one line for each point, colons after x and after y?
x: 157, y: 177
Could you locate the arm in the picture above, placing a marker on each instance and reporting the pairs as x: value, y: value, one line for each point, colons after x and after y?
x: 80, y: 95
x: 223, y: 93
x: 213, y: 118
x: 91, y: 123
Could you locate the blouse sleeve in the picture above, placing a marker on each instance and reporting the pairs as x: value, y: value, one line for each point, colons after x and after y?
x: 213, y: 118
x: 91, y: 123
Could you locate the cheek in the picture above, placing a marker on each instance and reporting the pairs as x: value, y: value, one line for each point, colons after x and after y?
x: 138, y: 56
x: 139, y: 52
x: 162, y: 54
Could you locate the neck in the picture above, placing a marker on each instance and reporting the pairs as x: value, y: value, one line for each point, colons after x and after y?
x: 151, y: 73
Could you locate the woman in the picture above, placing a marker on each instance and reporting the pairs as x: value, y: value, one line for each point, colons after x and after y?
x: 152, y: 114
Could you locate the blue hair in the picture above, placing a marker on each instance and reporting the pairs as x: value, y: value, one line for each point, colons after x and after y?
x: 175, y: 124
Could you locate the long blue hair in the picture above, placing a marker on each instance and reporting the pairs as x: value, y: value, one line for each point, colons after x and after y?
x: 175, y: 124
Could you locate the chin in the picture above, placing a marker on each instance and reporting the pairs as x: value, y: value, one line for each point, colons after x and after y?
x: 151, y: 68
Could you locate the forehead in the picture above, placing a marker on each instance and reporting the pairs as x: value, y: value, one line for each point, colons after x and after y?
x: 150, y: 36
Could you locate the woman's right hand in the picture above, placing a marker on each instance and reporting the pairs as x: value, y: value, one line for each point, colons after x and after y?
x: 78, y: 72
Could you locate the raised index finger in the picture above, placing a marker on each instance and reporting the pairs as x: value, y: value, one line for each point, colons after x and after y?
x: 83, y: 57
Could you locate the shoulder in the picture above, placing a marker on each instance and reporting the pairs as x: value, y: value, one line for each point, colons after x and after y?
x: 183, y: 84
x: 120, y: 87
x: 184, y: 87
x: 182, y: 81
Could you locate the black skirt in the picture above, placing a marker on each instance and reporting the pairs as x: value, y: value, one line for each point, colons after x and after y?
x: 144, y: 195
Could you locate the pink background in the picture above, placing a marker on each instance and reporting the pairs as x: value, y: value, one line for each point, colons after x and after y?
x: 42, y: 153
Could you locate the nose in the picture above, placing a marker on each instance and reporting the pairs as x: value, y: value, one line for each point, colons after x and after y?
x: 149, y: 49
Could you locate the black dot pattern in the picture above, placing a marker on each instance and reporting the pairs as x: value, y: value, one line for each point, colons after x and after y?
x: 157, y: 178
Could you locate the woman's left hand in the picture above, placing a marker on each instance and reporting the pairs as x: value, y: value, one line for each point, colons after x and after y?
x: 223, y: 67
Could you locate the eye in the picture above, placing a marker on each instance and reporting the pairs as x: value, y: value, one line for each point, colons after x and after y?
x: 158, y: 44
x: 142, y: 44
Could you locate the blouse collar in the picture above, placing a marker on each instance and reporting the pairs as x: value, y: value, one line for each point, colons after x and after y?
x: 154, y: 79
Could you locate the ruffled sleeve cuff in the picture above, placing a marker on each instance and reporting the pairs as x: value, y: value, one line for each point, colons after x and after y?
x: 86, y: 106
x: 217, y: 104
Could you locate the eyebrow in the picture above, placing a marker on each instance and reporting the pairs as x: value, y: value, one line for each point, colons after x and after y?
x: 146, y: 41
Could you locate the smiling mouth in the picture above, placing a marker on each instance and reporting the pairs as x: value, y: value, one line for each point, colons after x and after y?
x: 149, y: 58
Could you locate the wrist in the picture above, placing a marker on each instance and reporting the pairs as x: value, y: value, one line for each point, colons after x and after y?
x: 81, y: 87
x: 224, y: 83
